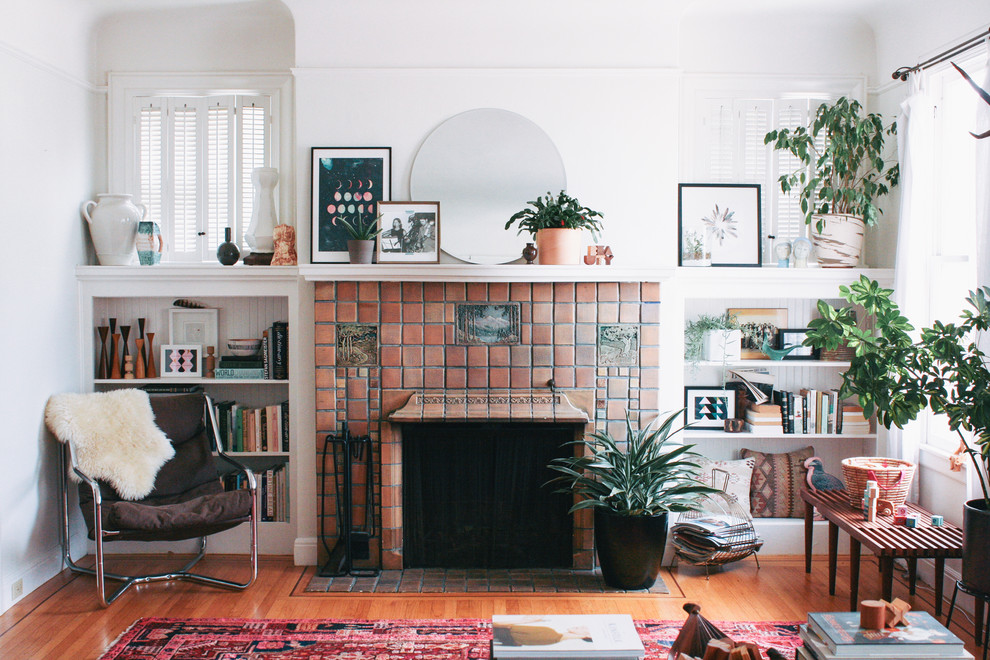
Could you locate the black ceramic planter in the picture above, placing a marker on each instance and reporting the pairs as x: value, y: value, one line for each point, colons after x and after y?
x: 976, y: 546
x: 630, y: 548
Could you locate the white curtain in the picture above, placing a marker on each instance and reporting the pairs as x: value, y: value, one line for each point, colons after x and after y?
x: 916, y: 154
x: 983, y: 191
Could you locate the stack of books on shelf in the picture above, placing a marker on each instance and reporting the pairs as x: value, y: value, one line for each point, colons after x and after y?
x: 246, y: 429
x: 565, y: 637
x: 271, y: 362
x: 764, y: 418
x: 837, y: 635
x: 273, y: 491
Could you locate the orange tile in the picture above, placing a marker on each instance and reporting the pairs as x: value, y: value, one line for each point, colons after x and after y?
x: 586, y: 313
x: 433, y: 378
x: 608, y: 312
x: 585, y: 333
x: 520, y: 356
x: 324, y: 378
x: 520, y: 291
x: 391, y: 356
x: 584, y: 377
x: 629, y: 312
x: 412, y: 378
x: 608, y: 292
x: 563, y: 377
x: 412, y: 356
x: 477, y: 291
x: 455, y: 291
x: 346, y: 291
x: 519, y: 378
x: 585, y: 355
x: 541, y: 376
x: 649, y: 399
x: 526, y: 334
x: 649, y: 378
x: 498, y: 377
x: 542, y: 334
x: 456, y: 378
x: 498, y: 356
x: 563, y: 313
x: 629, y: 291
x: 477, y: 377
x: 326, y: 356
x: 367, y: 291
x: 391, y: 312
x: 325, y: 312
x: 357, y: 388
x: 433, y: 356
x: 615, y: 410
x: 650, y: 313
x: 357, y: 410
x: 477, y: 356
x: 651, y: 292
x: 542, y: 313
x: 563, y: 292
x: 433, y: 334
x: 346, y: 311
x: 563, y: 356
x: 412, y: 292
x: 456, y: 356
x: 391, y: 291
x: 325, y: 400
x: 433, y: 291
x: 542, y: 356
x: 649, y: 335
x: 392, y: 378
x: 412, y: 333
x: 325, y: 334
x: 323, y: 291
x: 434, y: 312
x: 563, y: 334
x: 649, y: 356
x: 585, y: 292
x: 412, y: 312
x: 367, y: 312
x: 390, y: 333
x: 498, y: 291
x: 543, y: 292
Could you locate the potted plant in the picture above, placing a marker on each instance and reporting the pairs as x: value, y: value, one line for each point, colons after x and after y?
x: 842, y: 175
x: 556, y: 224
x: 899, y: 376
x: 632, y: 487
x: 713, y: 338
x: 361, y: 246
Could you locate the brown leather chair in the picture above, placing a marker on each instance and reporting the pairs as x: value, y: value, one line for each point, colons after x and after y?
x: 188, y: 500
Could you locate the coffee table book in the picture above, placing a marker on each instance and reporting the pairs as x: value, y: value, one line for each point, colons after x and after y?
x: 838, y: 635
x: 565, y: 637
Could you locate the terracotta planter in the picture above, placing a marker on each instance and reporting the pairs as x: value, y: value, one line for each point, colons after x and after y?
x: 840, y: 242
x: 360, y: 252
x: 558, y: 246
x: 976, y: 546
x: 630, y: 548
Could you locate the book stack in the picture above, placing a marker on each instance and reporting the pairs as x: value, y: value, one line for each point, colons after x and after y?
x: 230, y: 367
x: 853, y: 422
x: 271, y: 362
x: 273, y: 491
x: 253, y: 429
x: 764, y: 418
x: 837, y: 636
x: 565, y: 636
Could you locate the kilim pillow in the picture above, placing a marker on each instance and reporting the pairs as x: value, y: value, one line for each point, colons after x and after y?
x: 777, y: 480
x: 732, y: 477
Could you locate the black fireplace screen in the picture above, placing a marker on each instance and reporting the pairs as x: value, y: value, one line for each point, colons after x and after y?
x: 473, y: 496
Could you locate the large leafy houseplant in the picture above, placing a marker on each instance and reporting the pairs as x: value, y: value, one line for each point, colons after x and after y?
x: 560, y: 212
x: 843, y: 169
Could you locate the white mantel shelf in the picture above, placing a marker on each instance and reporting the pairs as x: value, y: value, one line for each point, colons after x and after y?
x: 479, y: 273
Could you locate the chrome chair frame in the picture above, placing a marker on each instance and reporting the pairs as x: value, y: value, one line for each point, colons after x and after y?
x: 67, y: 458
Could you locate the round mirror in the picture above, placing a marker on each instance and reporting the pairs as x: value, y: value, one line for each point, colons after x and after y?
x: 483, y: 166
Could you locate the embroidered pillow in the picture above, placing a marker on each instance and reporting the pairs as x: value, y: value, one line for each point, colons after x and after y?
x: 777, y: 480
x: 738, y: 473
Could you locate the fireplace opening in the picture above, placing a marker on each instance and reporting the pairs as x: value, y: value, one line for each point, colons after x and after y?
x: 473, y: 495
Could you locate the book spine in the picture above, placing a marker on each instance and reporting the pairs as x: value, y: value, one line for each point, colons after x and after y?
x: 226, y: 373
x: 262, y: 416
x: 790, y: 412
x: 280, y: 350
x: 285, y: 425
x: 265, y: 351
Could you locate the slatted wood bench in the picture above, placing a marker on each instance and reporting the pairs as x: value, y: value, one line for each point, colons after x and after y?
x: 883, y: 538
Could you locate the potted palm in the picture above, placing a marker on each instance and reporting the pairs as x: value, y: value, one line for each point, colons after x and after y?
x: 842, y: 174
x: 898, y: 376
x: 556, y: 224
x: 632, y: 487
x: 361, y: 246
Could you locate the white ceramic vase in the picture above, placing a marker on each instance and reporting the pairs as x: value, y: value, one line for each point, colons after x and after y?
x: 260, y: 233
x: 722, y: 345
x: 113, y: 225
x: 840, y: 242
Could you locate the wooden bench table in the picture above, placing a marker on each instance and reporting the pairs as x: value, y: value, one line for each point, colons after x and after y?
x: 883, y: 538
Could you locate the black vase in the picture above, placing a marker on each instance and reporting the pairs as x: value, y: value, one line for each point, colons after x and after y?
x: 976, y: 546
x: 227, y: 252
x: 630, y: 548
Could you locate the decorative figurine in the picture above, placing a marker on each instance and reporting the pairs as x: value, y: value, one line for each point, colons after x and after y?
x: 529, y: 253
x: 782, y: 251
x: 818, y: 479
x: 801, y: 250
x: 285, y: 246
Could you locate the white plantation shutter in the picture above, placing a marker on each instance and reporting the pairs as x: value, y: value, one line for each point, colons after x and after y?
x: 754, y: 165
x: 786, y: 209
x: 721, y: 143
x: 194, y: 157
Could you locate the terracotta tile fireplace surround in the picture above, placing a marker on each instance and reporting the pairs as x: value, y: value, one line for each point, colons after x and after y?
x: 566, y: 335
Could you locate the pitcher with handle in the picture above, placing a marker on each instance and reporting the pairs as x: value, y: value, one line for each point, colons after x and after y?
x: 113, y: 224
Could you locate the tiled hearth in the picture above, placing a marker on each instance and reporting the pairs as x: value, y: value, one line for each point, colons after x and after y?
x: 566, y: 333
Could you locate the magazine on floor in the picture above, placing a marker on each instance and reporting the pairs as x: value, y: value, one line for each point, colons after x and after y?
x: 563, y: 636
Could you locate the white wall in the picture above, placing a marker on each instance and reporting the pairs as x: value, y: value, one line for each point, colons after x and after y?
x: 52, y: 146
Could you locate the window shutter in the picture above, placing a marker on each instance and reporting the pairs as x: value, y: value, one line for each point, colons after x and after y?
x: 185, y: 173
x: 150, y: 128
x: 754, y: 167
x: 254, y: 136
x: 786, y: 209
x: 719, y: 140
x: 219, y: 170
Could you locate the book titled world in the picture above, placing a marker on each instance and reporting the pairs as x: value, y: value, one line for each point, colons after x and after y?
x: 565, y: 636
x: 923, y: 635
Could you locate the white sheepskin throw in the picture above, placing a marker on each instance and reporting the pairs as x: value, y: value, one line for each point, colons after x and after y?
x: 114, y: 437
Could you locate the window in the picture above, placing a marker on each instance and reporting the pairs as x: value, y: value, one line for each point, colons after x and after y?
x: 187, y: 151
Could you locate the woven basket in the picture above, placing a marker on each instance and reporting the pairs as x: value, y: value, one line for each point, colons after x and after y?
x: 893, y: 476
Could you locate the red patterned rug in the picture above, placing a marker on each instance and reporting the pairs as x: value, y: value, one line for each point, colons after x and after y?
x: 320, y: 639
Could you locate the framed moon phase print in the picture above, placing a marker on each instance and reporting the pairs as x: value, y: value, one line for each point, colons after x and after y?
x: 726, y: 216
x: 348, y: 183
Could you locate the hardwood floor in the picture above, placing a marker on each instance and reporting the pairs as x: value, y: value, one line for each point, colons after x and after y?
x: 63, y: 620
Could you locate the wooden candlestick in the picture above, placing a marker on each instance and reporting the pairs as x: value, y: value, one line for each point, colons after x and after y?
x: 114, y: 362
x: 103, y: 368
x: 150, y: 371
x: 125, y: 331
x: 129, y: 367
x: 139, y: 370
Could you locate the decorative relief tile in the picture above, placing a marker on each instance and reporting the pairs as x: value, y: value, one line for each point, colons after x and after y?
x: 487, y: 324
x: 618, y: 345
x: 357, y: 344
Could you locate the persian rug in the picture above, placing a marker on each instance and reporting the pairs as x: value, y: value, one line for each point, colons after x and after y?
x: 320, y: 639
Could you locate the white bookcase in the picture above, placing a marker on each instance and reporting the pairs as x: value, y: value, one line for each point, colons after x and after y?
x: 248, y: 300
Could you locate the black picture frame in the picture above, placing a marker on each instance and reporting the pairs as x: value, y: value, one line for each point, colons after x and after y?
x: 348, y: 182
x: 730, y: 216
x: 791, y: 336
x: 708, y: 407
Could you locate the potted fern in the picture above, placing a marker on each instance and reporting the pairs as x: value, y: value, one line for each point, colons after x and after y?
x: 556, y: 224
x: 842, y: 174
x: 714, y: 338
x: 361, y: 245
x: 632, y: 486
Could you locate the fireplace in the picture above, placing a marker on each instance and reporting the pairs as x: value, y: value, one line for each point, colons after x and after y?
x: 474, y: 495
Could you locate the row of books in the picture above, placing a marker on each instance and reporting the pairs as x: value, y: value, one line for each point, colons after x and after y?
x: 837, y: 635
x: 807, y: 411
x: 271, y: 362
x: 273, y: 491
x: 261, y: 429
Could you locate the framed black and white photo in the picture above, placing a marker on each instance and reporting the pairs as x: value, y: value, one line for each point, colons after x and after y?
x: 348, y: 183
x: 410, y: 232
x: 181, y: 361
x: 725, y: 218
x: 708, y: 407
x: 790, y: 337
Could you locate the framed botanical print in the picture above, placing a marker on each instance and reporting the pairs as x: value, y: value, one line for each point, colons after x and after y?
x: 348, y: 183
x: 719, y: 224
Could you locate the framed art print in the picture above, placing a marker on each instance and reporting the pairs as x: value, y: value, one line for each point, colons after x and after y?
x: 192, y: 326
x: 758, y: 324
x: 791, y: 337
x: 709, y: 407
x: 410, y: 232
x: 348, y: 182
x: 725, y: 218
x: 181, y: 361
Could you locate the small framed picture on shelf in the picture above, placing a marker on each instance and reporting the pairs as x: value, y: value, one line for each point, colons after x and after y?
x: 347, y: 183
x: 192, y: 326
x: 709, y: 407
x: 181, y: 361
x: 759, y: 325
x: 719, y: 224
x: 791, y: 340
x: 410, y: 232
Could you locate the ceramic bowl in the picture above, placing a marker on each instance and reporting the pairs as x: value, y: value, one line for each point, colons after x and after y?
x: 243, y: 347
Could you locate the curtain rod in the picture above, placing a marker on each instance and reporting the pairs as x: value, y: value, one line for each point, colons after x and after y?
x: 903, y: 72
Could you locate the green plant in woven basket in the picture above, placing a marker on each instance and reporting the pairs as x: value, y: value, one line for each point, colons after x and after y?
x: 898, y: 377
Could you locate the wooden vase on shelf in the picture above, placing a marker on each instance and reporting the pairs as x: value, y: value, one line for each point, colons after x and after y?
x: 129, y: 367
x: 114, y: 362
x: 210, y: 364
x: 103, y: 368
x: 139, y: 371
x: 149, y: 368
x: 141, y: 355
x: 125, y: 331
